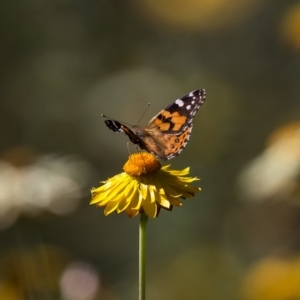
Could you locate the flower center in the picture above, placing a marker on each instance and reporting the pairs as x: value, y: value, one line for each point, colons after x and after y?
x: 141, y: 163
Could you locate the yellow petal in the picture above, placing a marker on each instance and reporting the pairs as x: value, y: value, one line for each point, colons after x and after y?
x: 143, y: 190
x: 115, y: 191
x: 110, y: 207
x: 136, y: 202
x: 150, y: 208
x: 108, y: 199
x: 130, y: 212
x: 123, y: 204
x: 163, y: 201
x: 174, y: 201
x: 160, y: 196
x: 179, y: 172
x: 134, y: 195
x: 175, y: 192
x: 99, y: 197
x: 129, y: 188
x: 151, y: 193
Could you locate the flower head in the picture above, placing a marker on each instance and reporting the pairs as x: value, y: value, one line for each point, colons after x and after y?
x: 145, y: 186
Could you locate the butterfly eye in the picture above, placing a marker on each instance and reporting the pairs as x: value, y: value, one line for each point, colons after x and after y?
x: 139, y: 133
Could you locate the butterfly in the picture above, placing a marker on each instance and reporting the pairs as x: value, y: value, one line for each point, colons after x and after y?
x: 168, y: 132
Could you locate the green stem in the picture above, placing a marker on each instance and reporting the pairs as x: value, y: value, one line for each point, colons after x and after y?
x: 142, y: 257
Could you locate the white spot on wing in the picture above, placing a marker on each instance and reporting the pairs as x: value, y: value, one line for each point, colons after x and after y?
x: 188, y: 107
x: 179, y: 102
x: 193, y: 102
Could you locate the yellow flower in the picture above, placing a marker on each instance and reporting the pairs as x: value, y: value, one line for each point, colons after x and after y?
x: 273, y: 278
x: 145, y: 186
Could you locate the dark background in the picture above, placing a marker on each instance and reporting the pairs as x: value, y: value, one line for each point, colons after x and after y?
x: 63, y: 63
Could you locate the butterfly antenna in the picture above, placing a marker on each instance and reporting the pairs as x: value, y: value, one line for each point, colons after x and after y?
x: 105, y: 116
x: 143, y: 113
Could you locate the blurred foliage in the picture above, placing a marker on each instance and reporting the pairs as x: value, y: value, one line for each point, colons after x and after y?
x: 64, y: 62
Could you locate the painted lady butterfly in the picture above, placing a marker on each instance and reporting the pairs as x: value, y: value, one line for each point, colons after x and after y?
x: 167, y: 133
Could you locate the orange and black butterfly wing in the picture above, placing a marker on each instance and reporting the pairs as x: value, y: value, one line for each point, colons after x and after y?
x: 171, y: 128
x: 119, y: 127
x: 177, y: 116
x: 176, y: 143
x: 167, y: 146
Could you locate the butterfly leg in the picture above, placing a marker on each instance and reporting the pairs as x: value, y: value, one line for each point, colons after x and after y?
x: 128, y: 147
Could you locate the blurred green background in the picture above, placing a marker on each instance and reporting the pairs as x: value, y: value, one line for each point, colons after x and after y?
x: 65, y: 62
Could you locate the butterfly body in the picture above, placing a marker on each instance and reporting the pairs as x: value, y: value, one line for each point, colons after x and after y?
x: 167, y: 133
